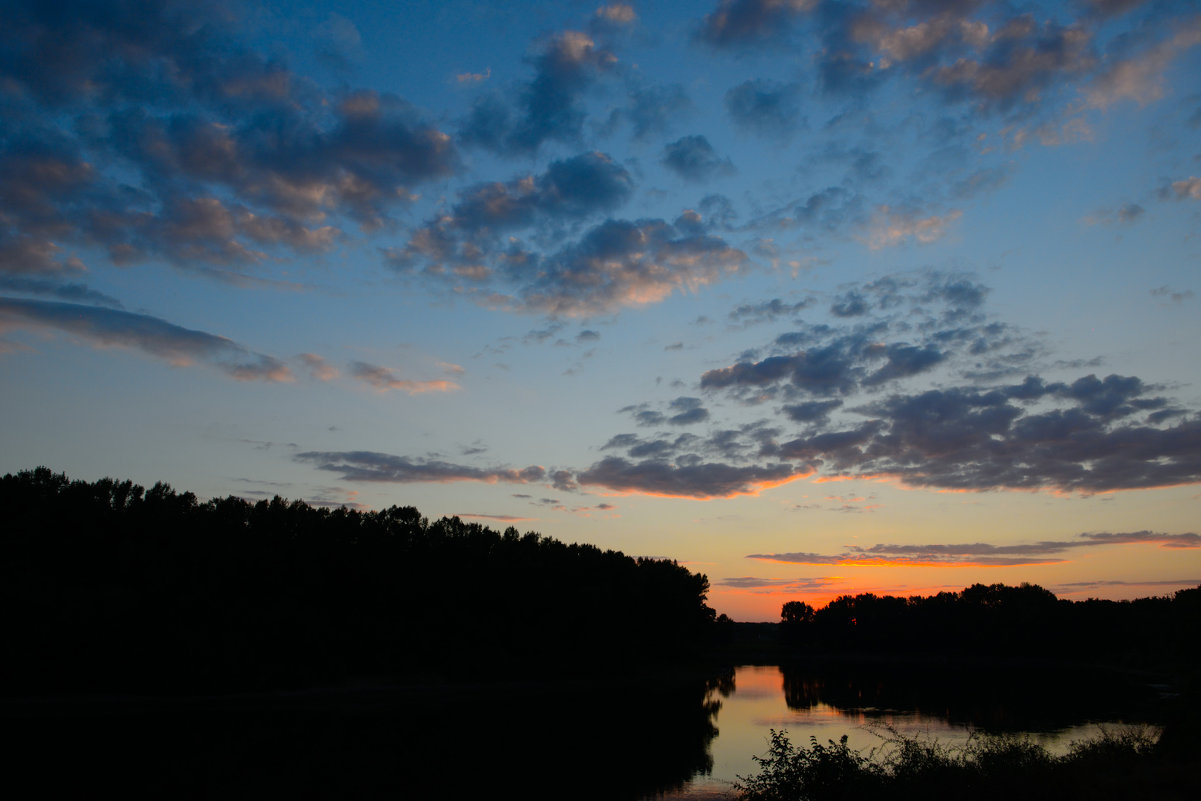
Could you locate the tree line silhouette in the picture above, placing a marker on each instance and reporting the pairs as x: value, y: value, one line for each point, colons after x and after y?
x: 997, y: 619
x: 109, y: 586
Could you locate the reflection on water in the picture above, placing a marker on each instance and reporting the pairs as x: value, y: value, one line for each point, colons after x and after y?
x: 1053, y: 708
x: 683, y: 737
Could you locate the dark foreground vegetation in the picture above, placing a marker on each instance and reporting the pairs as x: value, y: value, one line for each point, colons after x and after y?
x: 110, y: 587
x: 172, y: 647
x: 1125, y: 764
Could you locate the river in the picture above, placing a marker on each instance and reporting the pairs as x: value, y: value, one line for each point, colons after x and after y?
x: 617, y: 738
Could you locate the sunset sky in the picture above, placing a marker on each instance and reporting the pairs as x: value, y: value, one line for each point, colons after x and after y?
x: 813, y: 297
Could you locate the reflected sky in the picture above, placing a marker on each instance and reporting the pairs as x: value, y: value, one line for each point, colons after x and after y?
x: 758, y: 705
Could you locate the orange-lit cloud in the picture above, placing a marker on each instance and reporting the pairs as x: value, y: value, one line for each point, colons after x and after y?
x: 384, y: 380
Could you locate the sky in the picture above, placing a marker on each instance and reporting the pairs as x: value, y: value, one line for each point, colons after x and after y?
x: 815, y: 298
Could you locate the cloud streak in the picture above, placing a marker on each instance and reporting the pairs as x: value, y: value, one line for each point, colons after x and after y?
x: 981, y: 554
x: 104, y: 328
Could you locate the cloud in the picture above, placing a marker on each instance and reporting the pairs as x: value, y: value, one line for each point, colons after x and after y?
x: 651, y: 110
x: 1175, y: 295
x: 616, y: 13
x: 891, y: 227
x: 73, y: 292
x: 373, y: 466
x: 106, y: 327
x: 743, y: 22
x: 764, y: 107
x: 981, y: 554
x: 702, y: 481
x: 1140, y: 78
x: 993, y: 424
x: 1127, y: 214
x: 148, y: 131
x: 982, y: 439
x: 778, y: 585
x: 693, y: 158
x: 468, y: 243
x: 621, y: 264
x: 384, y: 380
x: 548, y: 105
x: 1188, y: 188
x: 688, y: 411
x: 768, y: 310
x: 473, y: 77
x: 318, y: 367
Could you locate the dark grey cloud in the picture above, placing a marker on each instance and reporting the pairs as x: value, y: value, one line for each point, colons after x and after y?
x: 107, y: 327
x: 687, y: 411
x: 548, y: 106
x: 811, y: 412
x: 748, y: 22
x: 852, y: 304
x: 468, y: 235
x: 768, y: 311
x: 764, y: 107
x: 986, y: 439
x: 693, y: 158
x: 690, y: 480
x: 374, y: 466
x: 941, y: 311
x: 983, y: 554
x: 838, y: 367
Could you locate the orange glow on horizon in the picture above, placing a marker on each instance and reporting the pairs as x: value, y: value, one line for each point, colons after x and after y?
x: 900, y: 561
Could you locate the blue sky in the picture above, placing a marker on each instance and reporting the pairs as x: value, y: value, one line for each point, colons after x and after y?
x: 813, y: 297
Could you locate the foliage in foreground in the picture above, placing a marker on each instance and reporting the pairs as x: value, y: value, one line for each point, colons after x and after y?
x: 1116, y: 765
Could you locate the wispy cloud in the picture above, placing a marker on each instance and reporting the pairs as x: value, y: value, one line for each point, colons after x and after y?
x: 105, y: 327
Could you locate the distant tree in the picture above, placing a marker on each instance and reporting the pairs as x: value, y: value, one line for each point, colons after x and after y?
x: 797, y: 613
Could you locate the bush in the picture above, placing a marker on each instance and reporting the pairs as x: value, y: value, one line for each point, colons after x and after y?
x: 1116, y: 765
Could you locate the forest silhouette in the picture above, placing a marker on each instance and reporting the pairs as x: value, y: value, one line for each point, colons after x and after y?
x: 111, y: 587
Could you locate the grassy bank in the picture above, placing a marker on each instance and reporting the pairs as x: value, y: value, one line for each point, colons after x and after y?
x: 1126, y: 764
